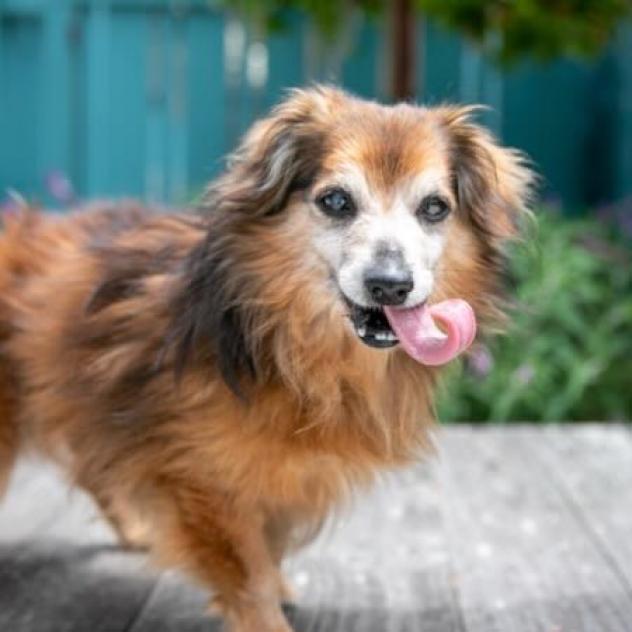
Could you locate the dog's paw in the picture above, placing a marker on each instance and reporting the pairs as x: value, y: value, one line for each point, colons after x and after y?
x: 216, y: 606
x: 287, y: 594
x: 255, y: 619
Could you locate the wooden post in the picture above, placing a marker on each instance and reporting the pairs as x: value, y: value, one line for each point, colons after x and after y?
x: 402, y: 50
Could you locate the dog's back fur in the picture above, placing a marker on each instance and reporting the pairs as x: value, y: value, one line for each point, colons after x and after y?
x: 62, y: 355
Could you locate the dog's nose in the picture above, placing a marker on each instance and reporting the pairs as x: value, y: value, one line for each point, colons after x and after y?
x: 388, y: 288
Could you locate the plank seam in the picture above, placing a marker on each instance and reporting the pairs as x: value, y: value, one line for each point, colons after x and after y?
x: 455, y: 592
x: 131, y: 624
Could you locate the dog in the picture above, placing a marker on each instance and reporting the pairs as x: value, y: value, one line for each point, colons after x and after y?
x: 219, y: 381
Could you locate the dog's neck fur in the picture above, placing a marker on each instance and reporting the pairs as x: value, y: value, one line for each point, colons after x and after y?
x: 342, y: 386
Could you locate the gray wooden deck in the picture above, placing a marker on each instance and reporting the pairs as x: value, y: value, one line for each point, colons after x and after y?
x: 510, y: 530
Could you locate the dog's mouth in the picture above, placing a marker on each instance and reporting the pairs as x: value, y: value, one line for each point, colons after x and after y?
x: 371, y: 325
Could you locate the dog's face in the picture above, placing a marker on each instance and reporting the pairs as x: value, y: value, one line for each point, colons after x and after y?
x: 399, y: 204
x: 381, y: 206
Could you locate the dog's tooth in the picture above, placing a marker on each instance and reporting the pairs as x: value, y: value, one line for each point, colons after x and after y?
x: 362, y: 332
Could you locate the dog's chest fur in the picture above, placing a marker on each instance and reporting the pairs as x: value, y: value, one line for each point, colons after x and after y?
x: 283, y: 458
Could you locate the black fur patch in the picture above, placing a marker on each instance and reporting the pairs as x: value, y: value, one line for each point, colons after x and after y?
x: 207, y: 321
x: 125, y: 269
x: 123, y: 395
x: 111, y: 291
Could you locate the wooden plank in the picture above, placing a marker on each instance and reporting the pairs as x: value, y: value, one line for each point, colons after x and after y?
x: 3, y: 113
x: 592, y: 468
x: 54, y: 154
x: 60, y: 587
x: 359, y: 67
x: 35, y: 497
x: 23, y: 7
x: 98, y: 42
x: 206, y: 116
x: 60, y: 570
x: 156, y: 114
x: 522, y: 555
x: 470, y: 73
x: 178, y: 107
x: 23, y: 71
x: 385, y: 569
x: 176, y: 605
x: 127, y: 102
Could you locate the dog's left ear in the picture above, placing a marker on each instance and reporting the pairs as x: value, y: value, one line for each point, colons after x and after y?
x: 278, y: 156
x: 493, y: 184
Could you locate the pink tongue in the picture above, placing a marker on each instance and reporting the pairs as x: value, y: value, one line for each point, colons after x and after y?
x: 423, y: 340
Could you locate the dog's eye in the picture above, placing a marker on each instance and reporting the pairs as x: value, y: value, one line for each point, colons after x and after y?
x: 433, y: 209
x: 336, y: 203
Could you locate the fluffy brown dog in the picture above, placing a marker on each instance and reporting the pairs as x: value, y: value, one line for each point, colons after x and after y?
x: 219, y: 381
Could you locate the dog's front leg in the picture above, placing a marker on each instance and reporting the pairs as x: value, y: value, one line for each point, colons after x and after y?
x: 278, y: 531
x: 224, y: 545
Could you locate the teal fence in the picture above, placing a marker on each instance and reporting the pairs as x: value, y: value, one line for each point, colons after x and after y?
x: 143, y: 97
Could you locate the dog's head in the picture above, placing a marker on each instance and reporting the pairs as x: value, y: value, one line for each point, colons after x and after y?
x: 392, y: 205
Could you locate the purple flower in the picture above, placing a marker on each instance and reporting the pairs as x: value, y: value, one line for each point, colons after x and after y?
x: 625, y: 221
x: 12, y: 203
x: 480, y: 361
x: 59, y: 187
x: 8, y: 206
x: 553, y: 205
x: 524, y: 374
x: 618, y: 215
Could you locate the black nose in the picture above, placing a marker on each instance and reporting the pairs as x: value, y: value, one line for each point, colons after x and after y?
x: 388, y: 289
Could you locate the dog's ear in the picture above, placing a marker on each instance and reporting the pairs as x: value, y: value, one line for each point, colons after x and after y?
x: 278, y: 156
x: 492, y: 183
x: 210, y: 312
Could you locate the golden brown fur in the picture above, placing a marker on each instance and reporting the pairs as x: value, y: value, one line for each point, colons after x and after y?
x: 194, y: 372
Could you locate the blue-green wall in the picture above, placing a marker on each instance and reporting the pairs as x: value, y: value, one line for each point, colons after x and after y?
x: 132, y: 97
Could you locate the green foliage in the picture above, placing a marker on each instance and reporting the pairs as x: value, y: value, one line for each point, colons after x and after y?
x: 328, y: 15
x: 539, y: 28
x: 567, y: 352
x: 508, y: 29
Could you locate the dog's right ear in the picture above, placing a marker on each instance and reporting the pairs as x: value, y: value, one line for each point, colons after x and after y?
x: 493, y: 184
x: 278, y: 156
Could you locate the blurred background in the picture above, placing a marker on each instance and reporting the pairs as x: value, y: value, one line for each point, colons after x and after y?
x: 145, y: 97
